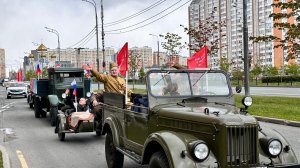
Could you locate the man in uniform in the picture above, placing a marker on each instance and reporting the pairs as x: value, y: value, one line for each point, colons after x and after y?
x: 112, y: 83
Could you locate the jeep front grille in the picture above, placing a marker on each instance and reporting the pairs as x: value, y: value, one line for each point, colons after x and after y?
x: 242, y: 145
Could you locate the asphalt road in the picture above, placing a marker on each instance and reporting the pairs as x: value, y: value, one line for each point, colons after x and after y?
x: 260, y: 91
x: 33, y: 140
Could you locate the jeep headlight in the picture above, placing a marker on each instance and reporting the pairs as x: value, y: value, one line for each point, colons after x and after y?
x: 247, y: 101
x: 63, y: 95
x: 200, y: 151
x: 274, y: 147
x: 88, y: 94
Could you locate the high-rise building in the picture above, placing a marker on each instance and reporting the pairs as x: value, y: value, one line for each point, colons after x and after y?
x: 2, y: 63
x: 231, y: 43
x: 145, y: 54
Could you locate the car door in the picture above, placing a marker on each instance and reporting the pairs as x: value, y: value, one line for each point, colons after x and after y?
x: 136, y: 129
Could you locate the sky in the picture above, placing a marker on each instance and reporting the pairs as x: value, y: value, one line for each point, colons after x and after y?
x: 23, y: 22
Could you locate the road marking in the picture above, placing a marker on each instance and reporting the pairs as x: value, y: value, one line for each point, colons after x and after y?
x: 22, y: 159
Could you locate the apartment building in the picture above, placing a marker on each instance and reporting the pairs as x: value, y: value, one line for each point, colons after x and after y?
x: 146, y: 55
x: 2, y: 63
x: 231, y: 37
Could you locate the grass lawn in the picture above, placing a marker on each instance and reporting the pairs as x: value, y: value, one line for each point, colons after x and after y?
x: 1, y: 160
x: 274, y: 107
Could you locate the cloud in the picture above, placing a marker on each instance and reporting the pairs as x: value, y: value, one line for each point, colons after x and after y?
x: 23, y: 22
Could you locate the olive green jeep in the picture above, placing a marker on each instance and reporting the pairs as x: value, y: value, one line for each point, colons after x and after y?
x: 46, y: 94
x: 188, y: 119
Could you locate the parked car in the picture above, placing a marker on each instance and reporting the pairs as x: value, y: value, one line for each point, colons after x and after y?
x: 16, y: 89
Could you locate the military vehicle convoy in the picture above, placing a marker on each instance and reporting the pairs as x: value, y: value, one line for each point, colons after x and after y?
x: 46, y: 94
x: 188, y: 118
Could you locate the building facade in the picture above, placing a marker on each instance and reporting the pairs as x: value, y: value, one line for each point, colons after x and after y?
x: 2, y: 63
x: 231, y: 37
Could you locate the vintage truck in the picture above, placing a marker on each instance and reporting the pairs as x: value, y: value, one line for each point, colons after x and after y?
x: 45, y: 94
x: 189, y: 119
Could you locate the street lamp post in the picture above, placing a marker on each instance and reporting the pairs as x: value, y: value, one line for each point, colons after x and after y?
x: 245, y: 39
x: 157, y: 47
x: 97, y: 60
x: 57, y: 34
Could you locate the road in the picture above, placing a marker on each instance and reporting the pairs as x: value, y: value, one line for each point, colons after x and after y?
x: 260, y: 91
x: 34, y: 140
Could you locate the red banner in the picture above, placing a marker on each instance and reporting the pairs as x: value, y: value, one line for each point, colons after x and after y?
x: 122, y: 59
x: 199, y: 59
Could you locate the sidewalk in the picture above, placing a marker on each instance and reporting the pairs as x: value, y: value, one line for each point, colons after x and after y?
x: 278, y: 121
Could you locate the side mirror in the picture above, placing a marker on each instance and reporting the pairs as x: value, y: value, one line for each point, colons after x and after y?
x: 238, y: 89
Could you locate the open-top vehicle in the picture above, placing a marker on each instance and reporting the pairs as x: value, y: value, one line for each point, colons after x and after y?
x: 188, y: 118
x: 71, y: 120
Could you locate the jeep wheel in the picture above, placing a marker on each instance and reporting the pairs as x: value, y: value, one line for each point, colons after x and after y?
x: 158, y: 160
x: 8, y: 97
x: 61, y: 135
x: 43, y: 114
x: 37, y: 108
x: 114, y: 158
x: 53, y: 115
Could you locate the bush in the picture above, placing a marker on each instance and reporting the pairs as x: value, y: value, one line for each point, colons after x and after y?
x: 279, y: 79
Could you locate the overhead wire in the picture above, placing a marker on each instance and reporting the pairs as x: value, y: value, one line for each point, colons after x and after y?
x: 151, y: 21
x: 94, y: 29
x: 134, y: 15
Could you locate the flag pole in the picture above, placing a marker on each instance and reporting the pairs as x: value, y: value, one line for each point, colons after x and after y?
x: 126, y: 92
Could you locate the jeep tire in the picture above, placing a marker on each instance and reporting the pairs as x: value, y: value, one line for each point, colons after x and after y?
x: 53, y: 115
x: 60, y: 127
x: 114, y: 158
x: 158, y: 160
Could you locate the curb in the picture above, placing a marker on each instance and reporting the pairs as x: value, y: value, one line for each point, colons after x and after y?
x: 278, y: 121
x: 5, y: 158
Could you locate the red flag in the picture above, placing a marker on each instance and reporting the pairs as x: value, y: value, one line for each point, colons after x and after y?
x: 122, y: 59
x: 38, y: 70
x: 199, y: 59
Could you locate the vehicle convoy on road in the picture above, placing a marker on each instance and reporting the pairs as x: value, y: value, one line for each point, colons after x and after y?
x: 188, y: 118
x: 46, y: 94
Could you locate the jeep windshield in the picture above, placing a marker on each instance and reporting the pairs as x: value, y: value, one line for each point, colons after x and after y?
x: 188, y: 83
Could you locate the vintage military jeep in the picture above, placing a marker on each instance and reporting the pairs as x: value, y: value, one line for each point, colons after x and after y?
x: 188, y: 118
x: 45, y: 94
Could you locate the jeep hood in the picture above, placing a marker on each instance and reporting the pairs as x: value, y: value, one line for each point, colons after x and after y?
x: 219, y: 114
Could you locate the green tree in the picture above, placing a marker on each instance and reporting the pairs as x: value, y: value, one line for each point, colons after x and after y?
x: 133, y: 59
x: 256, y: 71
x: 270, y: 71
x: 224, y: 64
x: 290, y: 41
x: 142, y: 74
x: 204, y: 34
x: 293, y: 69
x: 172, y: 44
x: 30, y: 74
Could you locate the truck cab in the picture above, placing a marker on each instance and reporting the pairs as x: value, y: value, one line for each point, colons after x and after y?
x: 188, y: 118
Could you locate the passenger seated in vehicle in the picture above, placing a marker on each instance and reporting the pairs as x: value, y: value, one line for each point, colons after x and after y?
x: 139, y: 100
x: 171, y: 89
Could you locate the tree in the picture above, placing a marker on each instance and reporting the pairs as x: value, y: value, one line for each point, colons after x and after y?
x: 290, y: 42
x: 204, y: 34
x: 293, y: 69
x: 270, y: 70
x: 172, y: 44
x: 256, y: 71
x: 30, y: 74
x: 133, y: 59
x: 142, y: 73
x: 224, y: 64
